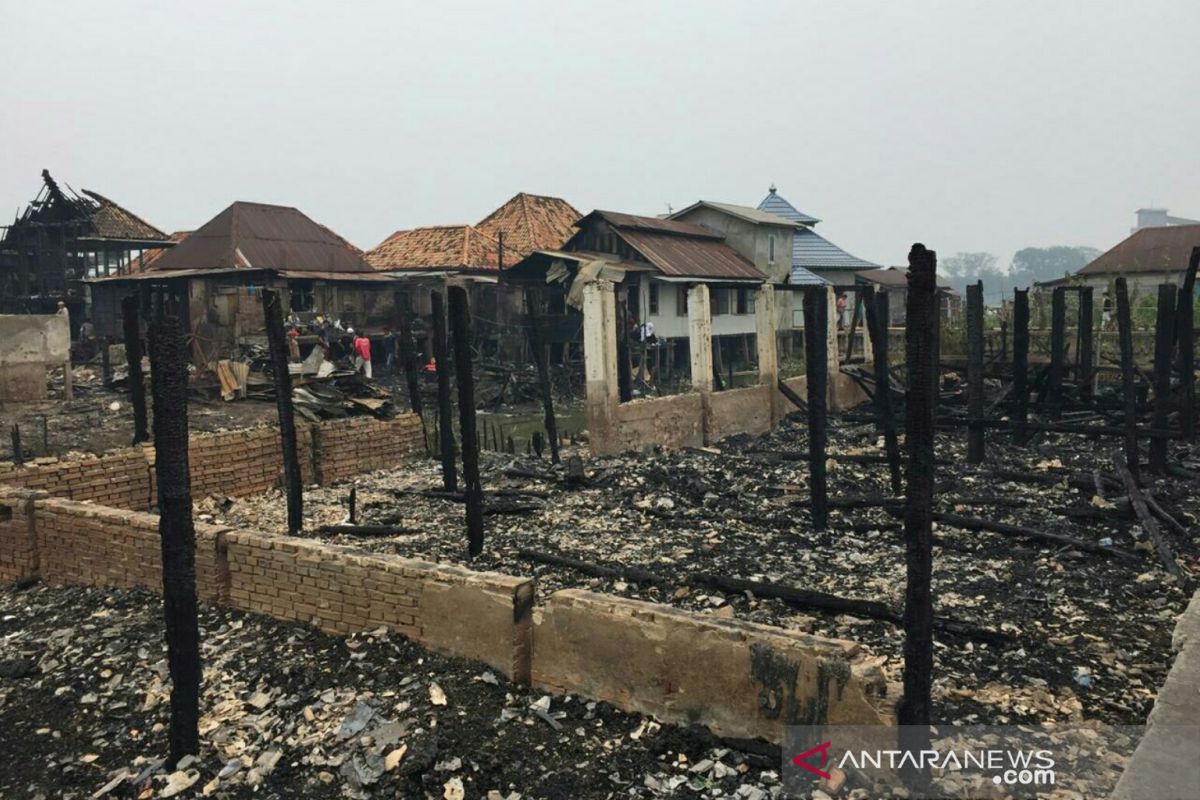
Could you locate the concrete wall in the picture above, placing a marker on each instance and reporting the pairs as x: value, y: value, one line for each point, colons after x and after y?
x: 750, y: 240
x: 28, y: 344
x: 739, y: 678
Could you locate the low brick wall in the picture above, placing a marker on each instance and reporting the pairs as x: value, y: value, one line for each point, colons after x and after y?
x: 235, y: 463
x: 738, y: 678
x: 478, y: 615
x: 82, y: 544
x: 18, y: 538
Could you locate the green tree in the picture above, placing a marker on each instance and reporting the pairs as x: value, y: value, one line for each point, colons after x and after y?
x: 962, y: 269
x: 1032, y: 265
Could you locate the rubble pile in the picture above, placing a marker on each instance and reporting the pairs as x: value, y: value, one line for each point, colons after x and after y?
x: 1083, y: 636
x: 290, y: 712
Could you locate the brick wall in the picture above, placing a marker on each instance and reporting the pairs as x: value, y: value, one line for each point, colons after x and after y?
x: 18, y: 545
x: 90, y: 545
x: 233, y: 463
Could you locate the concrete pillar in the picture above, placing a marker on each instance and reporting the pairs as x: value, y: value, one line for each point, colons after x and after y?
x: 700, y: 338
x: 764, y: 330
x: 600, y: 345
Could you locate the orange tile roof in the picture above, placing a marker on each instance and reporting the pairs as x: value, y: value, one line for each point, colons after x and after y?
x: 436, y: 247
x: 150, y: 256
x: 531, y: 222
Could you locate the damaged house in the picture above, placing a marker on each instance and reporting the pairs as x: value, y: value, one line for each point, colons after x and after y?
x: 60, y: 240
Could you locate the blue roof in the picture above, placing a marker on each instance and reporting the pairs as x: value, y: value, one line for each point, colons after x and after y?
x: 774, y: 204
x: 810, y: 250
x: 802, y: 277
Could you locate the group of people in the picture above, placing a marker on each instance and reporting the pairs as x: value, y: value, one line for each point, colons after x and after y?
x: 337, y: 342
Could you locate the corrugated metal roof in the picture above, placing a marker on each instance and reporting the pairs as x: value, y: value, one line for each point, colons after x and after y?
x: 260, y: 236
x: 653, y: 224
x: 1164, y: 249
x: 701, y: 257
x: 802, y: 277
x: 773, y: 203
x: 811, y: 250
x: 755, y: 215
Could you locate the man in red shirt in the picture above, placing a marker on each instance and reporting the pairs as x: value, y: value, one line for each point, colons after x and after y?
x: 362, y: 354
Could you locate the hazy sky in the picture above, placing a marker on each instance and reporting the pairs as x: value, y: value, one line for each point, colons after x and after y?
x: 965, y: 125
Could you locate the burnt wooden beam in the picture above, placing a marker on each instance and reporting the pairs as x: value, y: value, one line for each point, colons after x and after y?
x: 976, y: 434
x: 1058, y: 327
x: 408, y: 355
x: 278, y: 351
x: 460, y: 319
x: 878, y: 313
x: 444, y: 422
x: 1150, y: 525
x: 1085, y: 374
x: 177, y: 533
x: 916, y: 705
x: 1164, y: 349
x: 18, y: 454
x: 1021, y: 361
x: 1023, y: 532
x: 1185, y: 332
x: 1125, y: 341
x: 131, y: 327
x: 816, y: 365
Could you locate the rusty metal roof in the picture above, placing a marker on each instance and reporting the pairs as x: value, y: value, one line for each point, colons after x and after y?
x: 690, y: 256
x: 265, y: 237
x: 1165, y: 249
x: 653, y: 224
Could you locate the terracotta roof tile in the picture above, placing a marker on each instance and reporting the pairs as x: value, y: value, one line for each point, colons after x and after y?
x: 531, y: 222
x: 436, y: 247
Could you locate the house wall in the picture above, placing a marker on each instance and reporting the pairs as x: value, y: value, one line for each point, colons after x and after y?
x: 28, y: 344
x: 669, y: 324
x: 750, y: 240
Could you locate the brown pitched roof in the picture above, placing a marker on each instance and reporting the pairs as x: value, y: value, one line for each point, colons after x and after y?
x: 531, y: 222
x: 1164, y: 249
x: 436, y: 247
x: 894, y: 278
x: 260, y: 236
x: 111, y: 221
x: 150, y: 256
x: 655, y: 224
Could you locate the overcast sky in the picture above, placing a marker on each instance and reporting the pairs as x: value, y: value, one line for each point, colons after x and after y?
x: 968, y: 126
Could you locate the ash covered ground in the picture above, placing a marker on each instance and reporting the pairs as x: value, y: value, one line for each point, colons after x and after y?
x: 1090, y: 634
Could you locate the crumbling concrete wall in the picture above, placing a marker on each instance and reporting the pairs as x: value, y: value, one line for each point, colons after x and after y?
x: 750, y: 410
x: 739, y: 678
x: 28, y: 344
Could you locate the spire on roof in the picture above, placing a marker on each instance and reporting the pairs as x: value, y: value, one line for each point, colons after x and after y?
x: 772, y: 189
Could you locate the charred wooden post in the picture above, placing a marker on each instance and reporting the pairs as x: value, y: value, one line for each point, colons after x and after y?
x: 876, y: 307
x: 105, y: 363
x: 852, y: 328
x: 1185, y: 333
x: 976, y: 441
x: 169, y: 383
x: 445, y: 426
x: 460, y: 319
x: 916, y: 705
x: 1003, y: 341
x: 277, y: 345
x: 1164, y: 349
x: 1058, y: 326
x: 1020, y: 361
x: 130, y: 315
x: 1086, y: 372
x: 533, y: 301
x: 408, y: 355
x: 18, y: 455
x: 936, y: 350
x: 816, y: 311
x: 352, y: 502
x: 624, y: 376
x: 1125, y: 341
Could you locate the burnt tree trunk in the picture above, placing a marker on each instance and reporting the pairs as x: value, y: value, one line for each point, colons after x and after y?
x: 816, y: 313
x: 1125, y: 340
x: 1164, y: 349
x: 916, y: 705
x: 169, y: 377
x: 445, y: 425
x: 277, y: 345
x: 1020, y: 361
x: 533, y: 299
x: 976, y: 441
x: 460, y: 319
x: 130, y: 314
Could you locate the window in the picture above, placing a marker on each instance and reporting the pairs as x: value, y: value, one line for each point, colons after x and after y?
x: 681, y: 301
x: 770, y: 248
x: 745, y: 302
x: 653, y: 302
x: 720, y: 301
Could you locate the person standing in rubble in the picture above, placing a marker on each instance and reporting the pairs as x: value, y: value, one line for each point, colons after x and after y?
x: 293, y: 339
x: 362, y: 353
x: 389, y: 351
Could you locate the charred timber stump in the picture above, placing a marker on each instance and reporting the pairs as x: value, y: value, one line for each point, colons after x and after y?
x: 1087, y: 354
x: 408, y: 356
x: 18, y: 455
x: 444, y: 424
x: 876, y: 307
x: 277, y: 345
x: 105, y: 363
x: 1020, y: 361
x: 169, y: 379
x: 976, y: 441
x: 460, y: 319
x: 816, y: 365
x: 1128, y: 391
x: 130, y: 315
x: 1164, y: 349
x: 1058, y: 326
x: 915, y: 707
x: 936, y: 350
x: 1185, y: 333
x: 624, y: 376
x: 533, y: 302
